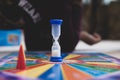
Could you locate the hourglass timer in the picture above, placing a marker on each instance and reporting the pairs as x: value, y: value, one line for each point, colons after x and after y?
x: 56, y: 32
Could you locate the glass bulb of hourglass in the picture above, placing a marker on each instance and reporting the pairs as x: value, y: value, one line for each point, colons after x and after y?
x: 56, y: 49
x: 56, y: 31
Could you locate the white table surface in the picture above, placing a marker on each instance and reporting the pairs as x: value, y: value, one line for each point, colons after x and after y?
x: 110, y: 47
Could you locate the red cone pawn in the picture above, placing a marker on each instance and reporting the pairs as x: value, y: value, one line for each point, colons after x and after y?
x: 21, y: 62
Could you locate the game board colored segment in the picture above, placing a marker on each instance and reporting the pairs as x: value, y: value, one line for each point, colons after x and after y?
x: 35, y: 72
x: 103, y: 63
x: 106, y: 69
x: 54, y: 73
x: 105, y: 66
x: 10, y: 76
x: 88, y: 70
x: 71, y: 56
x: 71, y: 73
x: 112, y: 76
x: 14, y: 70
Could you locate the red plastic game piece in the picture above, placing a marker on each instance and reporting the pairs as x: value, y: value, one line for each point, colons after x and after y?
x: 21, y: 62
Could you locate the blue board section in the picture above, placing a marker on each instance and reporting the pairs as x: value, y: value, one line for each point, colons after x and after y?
x: 88, y: 70
x: 53, y: 73
x: 10, y: 37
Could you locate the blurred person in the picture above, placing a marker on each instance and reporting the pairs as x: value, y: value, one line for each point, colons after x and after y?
x: 33, y: 17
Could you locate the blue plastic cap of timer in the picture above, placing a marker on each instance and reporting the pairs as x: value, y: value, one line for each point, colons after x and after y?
x: 56, y: 21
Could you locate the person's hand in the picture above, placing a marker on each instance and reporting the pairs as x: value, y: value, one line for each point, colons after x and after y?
x: 90, y: 38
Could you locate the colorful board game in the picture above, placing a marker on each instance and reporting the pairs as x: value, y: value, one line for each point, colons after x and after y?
x: 75, y: 66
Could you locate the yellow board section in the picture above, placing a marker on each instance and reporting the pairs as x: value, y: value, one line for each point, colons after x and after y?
x: 26, y: 59
x: 102, y: 63
x: 71, y: 56
x: 35, y: 72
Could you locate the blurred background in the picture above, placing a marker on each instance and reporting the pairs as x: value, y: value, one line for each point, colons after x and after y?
x: 102, y: 16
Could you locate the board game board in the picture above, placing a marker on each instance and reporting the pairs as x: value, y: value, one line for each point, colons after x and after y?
x: 75, y: 66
